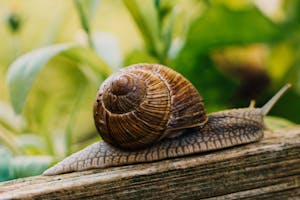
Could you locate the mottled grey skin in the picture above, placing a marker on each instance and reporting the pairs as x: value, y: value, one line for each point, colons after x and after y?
x: 223, y: 129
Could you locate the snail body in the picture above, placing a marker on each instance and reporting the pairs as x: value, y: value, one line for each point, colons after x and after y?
x: 148, y: 112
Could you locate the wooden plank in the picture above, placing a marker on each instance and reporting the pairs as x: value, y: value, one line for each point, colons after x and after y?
x: 269, y: 169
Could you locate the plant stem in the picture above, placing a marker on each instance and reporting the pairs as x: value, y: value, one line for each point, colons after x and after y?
x: 84, y: 22
x: 10, y: 141
x: 72, y: 121
x: 148, y: 28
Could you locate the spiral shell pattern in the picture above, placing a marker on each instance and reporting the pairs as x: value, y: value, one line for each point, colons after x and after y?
x: 144, y: 103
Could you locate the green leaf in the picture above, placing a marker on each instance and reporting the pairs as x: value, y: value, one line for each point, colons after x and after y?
x: 107, y: 46
x: 9, y: 119
x: 21, y: 166
x: 139, y: 56
x: 219, y: 27
x: 32, y: 143
x: 8, y: 139
x: 222, y: 26
x: 146, y: 19
x: 89, y: 57
x: 24, y: 69
x: 85, y: 11
x: 4, y: 164
x: 24, y: 166
x: 274, y: 123
x: 91, y: 8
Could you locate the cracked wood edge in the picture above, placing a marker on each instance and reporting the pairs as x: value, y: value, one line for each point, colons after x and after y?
x: 266, y: 169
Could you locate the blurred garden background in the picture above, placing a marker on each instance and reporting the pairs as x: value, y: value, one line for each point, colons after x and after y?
x: 55, y: 54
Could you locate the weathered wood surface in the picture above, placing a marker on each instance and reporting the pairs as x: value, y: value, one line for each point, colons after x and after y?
x: 269, y: 169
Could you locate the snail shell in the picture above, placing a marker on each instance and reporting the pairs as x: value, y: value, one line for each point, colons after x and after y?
x: 144, y: 103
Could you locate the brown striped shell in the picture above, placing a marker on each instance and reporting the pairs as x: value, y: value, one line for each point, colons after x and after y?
x: 144, y: 103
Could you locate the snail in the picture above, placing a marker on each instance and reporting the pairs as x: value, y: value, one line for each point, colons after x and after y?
x: 148, y: 112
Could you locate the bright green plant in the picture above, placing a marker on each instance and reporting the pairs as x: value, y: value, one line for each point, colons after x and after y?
x: 20, y: 78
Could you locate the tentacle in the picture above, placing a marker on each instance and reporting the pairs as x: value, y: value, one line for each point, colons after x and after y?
x: 268, y: 106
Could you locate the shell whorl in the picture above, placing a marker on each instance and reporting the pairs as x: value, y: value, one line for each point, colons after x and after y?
x: 123, y: 92
x: 143, y: 103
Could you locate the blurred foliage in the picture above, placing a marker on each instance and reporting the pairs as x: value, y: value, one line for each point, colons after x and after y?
x: 58, y: 52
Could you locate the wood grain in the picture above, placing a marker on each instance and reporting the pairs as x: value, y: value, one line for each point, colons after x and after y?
x: 269, y: 169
